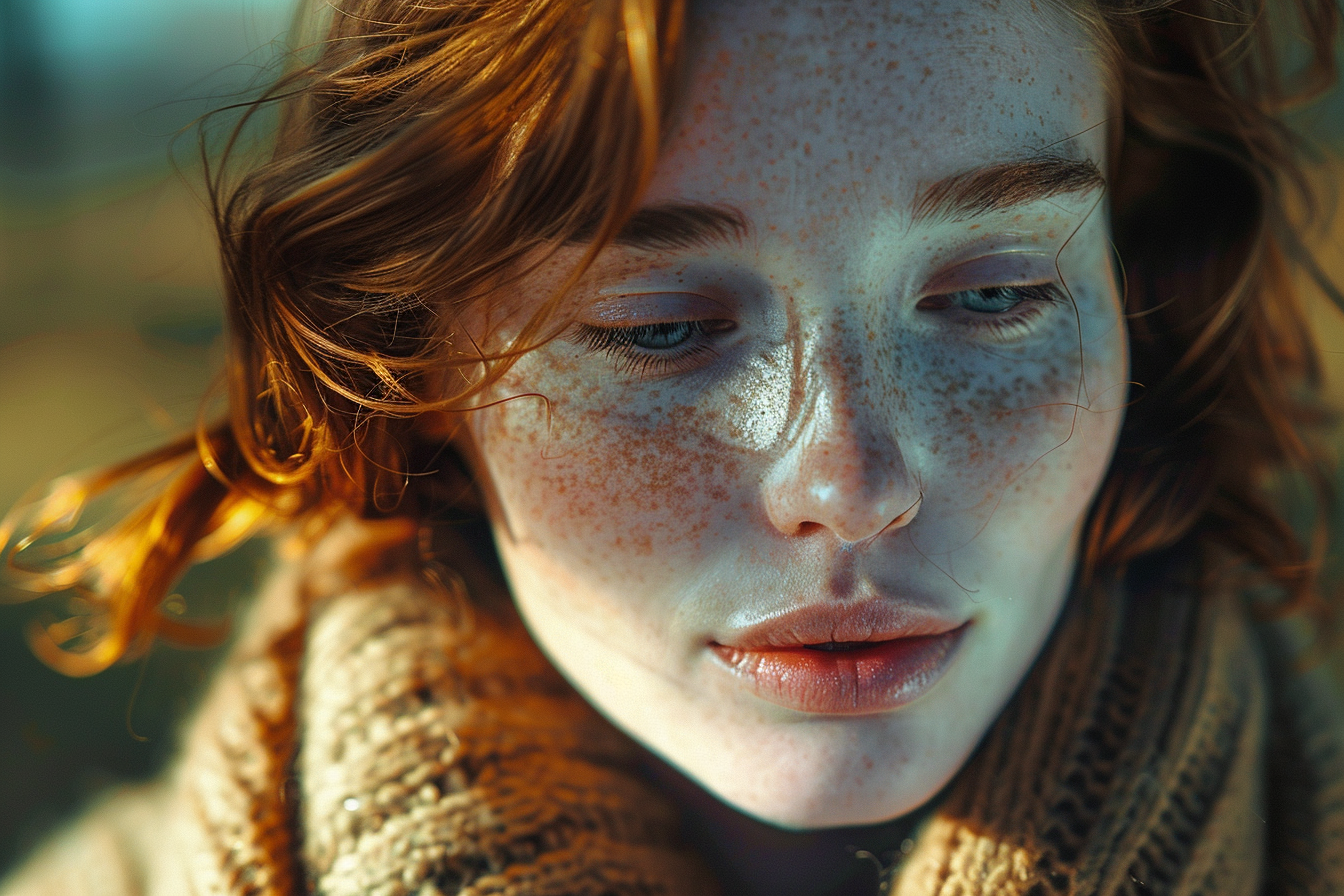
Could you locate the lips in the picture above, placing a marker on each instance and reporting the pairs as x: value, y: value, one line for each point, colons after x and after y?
x: 842, y: 660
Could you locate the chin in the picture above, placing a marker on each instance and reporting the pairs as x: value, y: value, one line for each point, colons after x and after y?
x: 824, y: 785
x: 862, y: 804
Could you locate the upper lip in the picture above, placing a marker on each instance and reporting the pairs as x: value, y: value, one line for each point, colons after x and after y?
x: 838, y: 622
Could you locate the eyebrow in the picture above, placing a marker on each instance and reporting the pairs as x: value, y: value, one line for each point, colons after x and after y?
x: 1005, y: 185
x: 672, y: 226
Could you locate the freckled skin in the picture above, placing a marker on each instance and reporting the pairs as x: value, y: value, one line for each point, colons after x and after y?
x: 841, y: 440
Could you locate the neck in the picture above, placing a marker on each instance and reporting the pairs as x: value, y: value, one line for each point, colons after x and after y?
x: 753, y: 858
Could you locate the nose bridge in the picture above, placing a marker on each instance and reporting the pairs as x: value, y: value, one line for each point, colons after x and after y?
x: 843, y: 468
x: 848, y: 411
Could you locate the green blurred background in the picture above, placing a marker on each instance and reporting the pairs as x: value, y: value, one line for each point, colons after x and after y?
x: 110, y: 328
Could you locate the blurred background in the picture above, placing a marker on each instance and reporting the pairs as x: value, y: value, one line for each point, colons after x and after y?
x: 110, y: 326
x: 110, y: 329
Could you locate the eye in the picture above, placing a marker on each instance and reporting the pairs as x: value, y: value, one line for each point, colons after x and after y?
x: 991, y: 299
x: 997, y: 313
x: 995, y: 300
x: 664, y: 336
x: 651, y: 349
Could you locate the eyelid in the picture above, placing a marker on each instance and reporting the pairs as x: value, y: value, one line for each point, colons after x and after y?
x: 1011, y: 268
x: 629, y: 309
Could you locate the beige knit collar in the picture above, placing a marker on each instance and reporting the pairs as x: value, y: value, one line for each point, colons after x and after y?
x: 1130, y: 761
x: 374, y: 734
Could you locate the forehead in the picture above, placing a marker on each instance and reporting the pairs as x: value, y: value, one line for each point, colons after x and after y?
x: 791, y: 99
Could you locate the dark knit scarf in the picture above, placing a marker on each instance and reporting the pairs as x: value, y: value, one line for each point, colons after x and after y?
x: 374, y: 734
x: 1157, y: 747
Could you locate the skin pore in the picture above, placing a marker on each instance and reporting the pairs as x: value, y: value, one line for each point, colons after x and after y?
x: 883, y: 364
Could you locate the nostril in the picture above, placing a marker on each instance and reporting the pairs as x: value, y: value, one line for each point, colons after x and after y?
x: 808, y: 528
x: 907, y: 516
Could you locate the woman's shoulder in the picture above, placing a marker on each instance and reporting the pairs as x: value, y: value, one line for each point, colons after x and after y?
x: 375, y: 728
x: 107, y: 851
x: 1304, y: 756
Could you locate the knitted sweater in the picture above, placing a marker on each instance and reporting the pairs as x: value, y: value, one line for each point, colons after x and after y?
x: 373, y: 732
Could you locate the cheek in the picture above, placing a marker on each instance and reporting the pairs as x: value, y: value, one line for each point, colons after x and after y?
x: 1015, y: 442
x: 624, y: 499
x: 625, y: 490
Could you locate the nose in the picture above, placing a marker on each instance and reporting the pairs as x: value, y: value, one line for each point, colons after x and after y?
x: 844, y: 470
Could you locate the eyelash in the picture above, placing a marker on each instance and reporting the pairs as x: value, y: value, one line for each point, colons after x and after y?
x: 1007, y: 324
x: 622, y: 343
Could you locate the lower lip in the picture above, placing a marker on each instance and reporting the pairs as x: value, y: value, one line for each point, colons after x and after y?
x: 885, y: 676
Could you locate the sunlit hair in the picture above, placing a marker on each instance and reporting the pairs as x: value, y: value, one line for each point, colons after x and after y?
x: 426, y: 151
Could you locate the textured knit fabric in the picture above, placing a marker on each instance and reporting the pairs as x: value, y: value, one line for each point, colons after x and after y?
x: 1135, y: 760
x: 375, y: 733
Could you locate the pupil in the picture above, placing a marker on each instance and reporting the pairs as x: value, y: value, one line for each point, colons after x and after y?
x: 991, y: 301
x: 663, y: 336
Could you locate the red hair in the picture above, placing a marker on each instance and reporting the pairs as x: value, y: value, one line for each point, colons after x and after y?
x: 426, y: 149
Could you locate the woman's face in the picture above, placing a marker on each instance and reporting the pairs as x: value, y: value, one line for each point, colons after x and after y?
x: 803, y: 497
